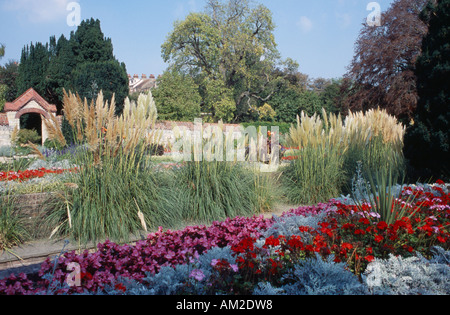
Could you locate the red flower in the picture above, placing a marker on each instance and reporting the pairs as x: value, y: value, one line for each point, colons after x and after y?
x: 295, y: 242
x: 304, y: 229
x: 272, y: 241
x: 86, y: 276
x: 379, y: 238
x: 360, y: 232
x: 382, y: 226
x: 120, y: 287
x: 364, y: 221
x: 348, y: 226
x: 369, y: 258
x: 347, y: 246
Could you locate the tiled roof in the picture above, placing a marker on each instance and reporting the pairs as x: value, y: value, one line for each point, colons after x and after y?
x: 27, y: 97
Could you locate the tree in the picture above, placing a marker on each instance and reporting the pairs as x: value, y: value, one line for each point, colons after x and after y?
x: 177, y: 97
x: 2, y: 51
x: 383, y: 66
x: 8, y: 77
x: 33, y: 67
x: 233, y: 42
x: 95, y: 66
x: 85, y: 63
x: 218, y: 100
x: 59, y: 72
x: 89, y: 44
x: 89, y: 78
x: 3, y: 90
x: 332, y: 96
x: 427, y: 143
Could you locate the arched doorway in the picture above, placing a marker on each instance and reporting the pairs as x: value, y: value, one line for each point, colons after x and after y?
x: 33, y: 123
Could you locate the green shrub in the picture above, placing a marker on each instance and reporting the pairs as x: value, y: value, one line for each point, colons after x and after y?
x: 317, y: 174
x: 25, y: 136
x: 53, y: 144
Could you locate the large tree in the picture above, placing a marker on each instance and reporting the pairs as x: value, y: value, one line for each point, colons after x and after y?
x: 59, y: 72
x: 2, y: 50
x: 231, y: 41
x: 8, y: 77
x: 177, y: 97
x: 33, y: 67
x: 84, y: 63
x: 382, y: 70
x: 427, y: 142
x: 89, y: 78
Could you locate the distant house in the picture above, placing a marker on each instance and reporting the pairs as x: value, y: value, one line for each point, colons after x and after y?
x: 142, y: 84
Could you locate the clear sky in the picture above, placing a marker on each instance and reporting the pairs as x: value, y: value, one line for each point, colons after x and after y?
x: 320, y: 35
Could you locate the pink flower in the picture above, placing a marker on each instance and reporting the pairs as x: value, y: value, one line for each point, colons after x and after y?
x: 197, y: 275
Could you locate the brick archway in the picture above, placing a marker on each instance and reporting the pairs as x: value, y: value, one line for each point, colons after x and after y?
x: 29, y: 102
x: 32, y: 111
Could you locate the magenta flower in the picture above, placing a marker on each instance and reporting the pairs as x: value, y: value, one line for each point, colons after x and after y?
x: 197, y: 275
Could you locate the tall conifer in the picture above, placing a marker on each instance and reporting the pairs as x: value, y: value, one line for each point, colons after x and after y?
x: 427, y: 142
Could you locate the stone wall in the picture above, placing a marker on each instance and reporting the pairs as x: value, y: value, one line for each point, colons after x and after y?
x: 5, y: 136
x: 30, y: 205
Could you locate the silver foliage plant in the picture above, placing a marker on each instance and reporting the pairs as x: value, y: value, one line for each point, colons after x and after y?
x: 410, y: 276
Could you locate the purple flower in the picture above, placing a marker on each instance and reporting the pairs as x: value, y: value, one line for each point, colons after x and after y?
x: 197, y: 275
x: 214, y: 262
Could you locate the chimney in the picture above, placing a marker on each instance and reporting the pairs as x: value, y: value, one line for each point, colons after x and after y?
x: 152, y: 76
x: 136, y: 76
x: 144, y: 76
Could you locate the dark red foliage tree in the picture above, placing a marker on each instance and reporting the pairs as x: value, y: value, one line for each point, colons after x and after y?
x: 382, y: 69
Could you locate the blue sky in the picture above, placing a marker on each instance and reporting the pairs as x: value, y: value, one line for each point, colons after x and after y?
x: 320, y: 35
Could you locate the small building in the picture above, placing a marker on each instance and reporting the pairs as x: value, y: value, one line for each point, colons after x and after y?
x: 29, y: 103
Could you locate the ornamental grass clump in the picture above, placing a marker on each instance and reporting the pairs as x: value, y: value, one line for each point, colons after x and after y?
x: 317, y: 174
x: 330, y: 149
x: 13, y: 229
x: 374, y: 138
x: 216, y: 189
x: 117, y: 196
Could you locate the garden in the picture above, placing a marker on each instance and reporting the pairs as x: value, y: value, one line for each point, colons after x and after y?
x: 357, y: 229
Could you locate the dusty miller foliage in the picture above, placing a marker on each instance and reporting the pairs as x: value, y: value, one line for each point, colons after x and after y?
x: 410, y: 276
x: 317, y: 277
x: 289, y: 226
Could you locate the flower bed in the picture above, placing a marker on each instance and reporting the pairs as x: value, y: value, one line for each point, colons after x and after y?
x: 328, y: 248
x: 29, y: 174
